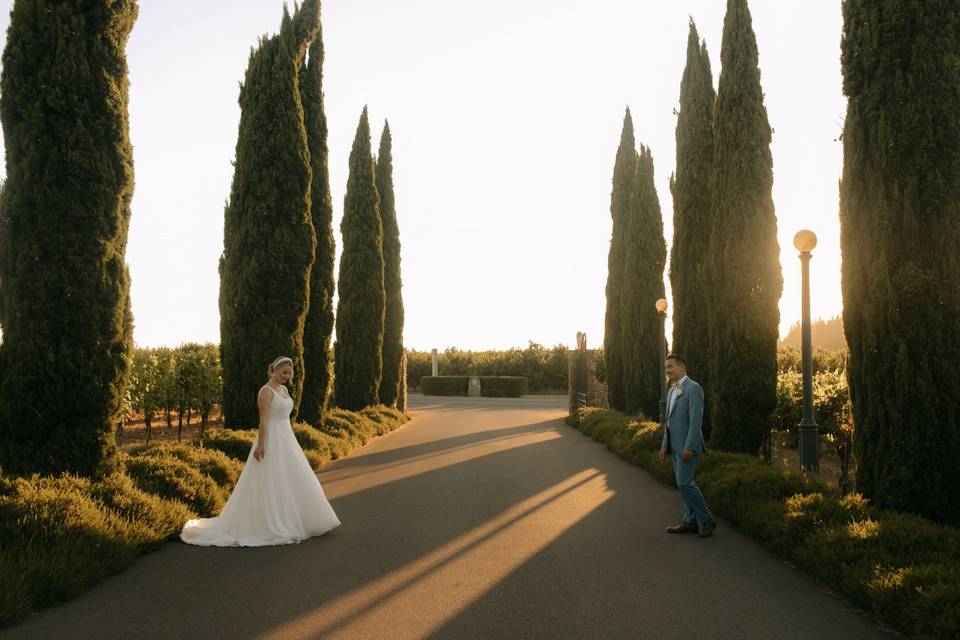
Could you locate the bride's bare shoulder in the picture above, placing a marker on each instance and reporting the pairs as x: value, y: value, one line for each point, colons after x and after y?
x: 265, y: 393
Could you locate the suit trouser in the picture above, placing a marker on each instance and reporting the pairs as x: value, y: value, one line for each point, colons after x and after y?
x: 695, y: 508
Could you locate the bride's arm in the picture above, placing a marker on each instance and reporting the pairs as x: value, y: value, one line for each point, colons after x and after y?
x: 264, y: 398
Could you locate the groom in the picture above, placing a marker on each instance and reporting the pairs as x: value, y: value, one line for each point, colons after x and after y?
x: 683, y: 439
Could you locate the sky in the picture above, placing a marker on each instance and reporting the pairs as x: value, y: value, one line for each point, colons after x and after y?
x: 505, y: 117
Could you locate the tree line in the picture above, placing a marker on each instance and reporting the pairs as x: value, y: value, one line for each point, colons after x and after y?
x: 67, y: 355
x: 899, y: 210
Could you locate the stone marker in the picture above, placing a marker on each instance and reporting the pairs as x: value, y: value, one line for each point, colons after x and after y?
x: 436, y: 363
x: 473, y: 390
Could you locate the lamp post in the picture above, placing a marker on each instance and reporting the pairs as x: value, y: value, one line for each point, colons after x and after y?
x: 805, y: 241
x: 662, y: 312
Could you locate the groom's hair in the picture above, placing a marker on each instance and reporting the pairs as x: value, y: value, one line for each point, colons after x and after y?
x: 676, y: 357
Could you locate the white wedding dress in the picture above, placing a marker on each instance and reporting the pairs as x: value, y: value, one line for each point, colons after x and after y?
x: 277, y: 500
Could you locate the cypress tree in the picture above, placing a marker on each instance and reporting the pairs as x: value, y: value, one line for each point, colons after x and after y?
x: 690, y: 185
x: 644, y: 259
x: 64, y: 215
x: 358, y: 360
x: 900, y: 229
x: 624, y: 170
x: 744, y: 252
x: 317, y: 361
x: 393, y: 318
x: 268, y: 240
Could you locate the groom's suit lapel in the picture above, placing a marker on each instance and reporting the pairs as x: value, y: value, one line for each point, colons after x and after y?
x: 674, y: 398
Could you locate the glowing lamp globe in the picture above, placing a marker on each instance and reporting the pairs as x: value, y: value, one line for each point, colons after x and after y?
x: 662, y: 305
x: 805, y: 241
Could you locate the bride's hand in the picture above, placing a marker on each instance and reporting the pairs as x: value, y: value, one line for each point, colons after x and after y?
x: 259, y: 453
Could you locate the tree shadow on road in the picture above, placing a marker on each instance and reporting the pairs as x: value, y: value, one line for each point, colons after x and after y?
x: 531, y: 531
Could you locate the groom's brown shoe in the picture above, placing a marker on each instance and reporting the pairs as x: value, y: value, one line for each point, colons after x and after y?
x: 707, y: 528
x: 683, y: 527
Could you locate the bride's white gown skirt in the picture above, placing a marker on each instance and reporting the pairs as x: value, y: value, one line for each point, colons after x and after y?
x: 277, y: 500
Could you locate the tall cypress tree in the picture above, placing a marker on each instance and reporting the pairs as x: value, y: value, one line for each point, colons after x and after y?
x: 358, y: 360
x: 900, y: 229
x: 64, y: 215
x: 268, y: 240
x: 690, y: 277
x: 393, y: 318
x: 644, y: 259
x: 624, y: 171
x: 318, y: 326
x: 744, y: 252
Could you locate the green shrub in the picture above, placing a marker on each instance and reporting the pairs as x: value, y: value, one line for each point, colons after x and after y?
x: 170, y: 477
x: 503, y: 386
x: 904, y: 568
x: 444, y: 385
x: 236, y: 443
x: 320, y: 447
x: 831, y: 405
x: 223, y: 469
x: 63, y: 534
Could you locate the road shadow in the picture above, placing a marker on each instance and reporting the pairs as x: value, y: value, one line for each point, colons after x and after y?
x: 531, y: 531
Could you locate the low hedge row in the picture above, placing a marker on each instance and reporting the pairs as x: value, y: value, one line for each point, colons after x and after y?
x: 444, y: 385
x: 903, y: 568
x: 60, y: 535
x: 503, y: 386
x: 63, y: 534
x: 490, y: 386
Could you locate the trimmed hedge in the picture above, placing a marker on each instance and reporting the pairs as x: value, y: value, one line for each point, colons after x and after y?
x: 235, y: 443
x: 221, y: 468
x: 170, y: 477
x: 444, y: 385
x: 490, y: 386
x: 63, y: 534
x: 60, y: 535
x: 503, y: 386
x: 903, y: 568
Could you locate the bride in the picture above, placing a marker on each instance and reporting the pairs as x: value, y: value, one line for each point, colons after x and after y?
x: 278, y: 498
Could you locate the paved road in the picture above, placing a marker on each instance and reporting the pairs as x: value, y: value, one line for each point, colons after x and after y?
x: 480, y: 519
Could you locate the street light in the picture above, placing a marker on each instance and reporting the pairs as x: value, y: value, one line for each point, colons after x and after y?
x: 662, y: 312
x: 805, y: 241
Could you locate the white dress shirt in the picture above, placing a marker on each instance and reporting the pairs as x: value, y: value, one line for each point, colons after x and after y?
x: 672, y: 399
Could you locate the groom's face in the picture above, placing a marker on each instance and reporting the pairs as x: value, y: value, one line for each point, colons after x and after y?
x: 675, y: 370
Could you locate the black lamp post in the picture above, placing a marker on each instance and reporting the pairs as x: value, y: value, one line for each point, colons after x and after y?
x: 662, y: 312
x: 805, y: 241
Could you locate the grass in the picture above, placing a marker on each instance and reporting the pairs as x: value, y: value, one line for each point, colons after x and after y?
x: 901, y: 567
x: 61, y: 535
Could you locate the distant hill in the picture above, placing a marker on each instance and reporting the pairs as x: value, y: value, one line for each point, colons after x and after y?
x: 825, y: 334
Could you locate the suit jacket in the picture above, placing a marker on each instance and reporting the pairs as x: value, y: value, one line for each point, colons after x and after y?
x: 685, y: 422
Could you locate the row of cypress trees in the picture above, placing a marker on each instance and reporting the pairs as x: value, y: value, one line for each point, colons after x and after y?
x: 277, y: 269
x: 725, y: 268
x: 269, y: 237
x: 65, y: 210
x: 636, y: 261
x: 899, y: 200
x: 64, y: 215
x: 369, y: 348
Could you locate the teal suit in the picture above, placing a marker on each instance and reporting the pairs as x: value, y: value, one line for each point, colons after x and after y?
x: 684, y: 431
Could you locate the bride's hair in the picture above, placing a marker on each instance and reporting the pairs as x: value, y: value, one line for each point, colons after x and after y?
x: 278, y: 362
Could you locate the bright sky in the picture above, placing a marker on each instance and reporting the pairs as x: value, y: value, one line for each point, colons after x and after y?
x: 505, y: 118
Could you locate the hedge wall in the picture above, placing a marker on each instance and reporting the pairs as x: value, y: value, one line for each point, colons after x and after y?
x: 444, y: 385
x: 503, y: 386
